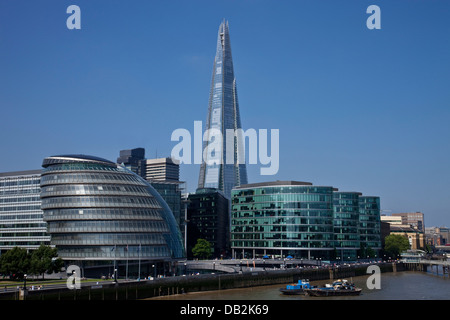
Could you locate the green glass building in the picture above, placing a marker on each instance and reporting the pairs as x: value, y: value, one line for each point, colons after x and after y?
x: 369, y: 225
x: 282, y: 218
x: 346, y: 225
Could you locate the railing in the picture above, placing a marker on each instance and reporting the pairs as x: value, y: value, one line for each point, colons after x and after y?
x: 436, y: 262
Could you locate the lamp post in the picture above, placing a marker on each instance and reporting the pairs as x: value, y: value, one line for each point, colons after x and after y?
x: 24, y: 282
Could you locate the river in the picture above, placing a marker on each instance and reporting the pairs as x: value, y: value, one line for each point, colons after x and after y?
x: 405, y: 285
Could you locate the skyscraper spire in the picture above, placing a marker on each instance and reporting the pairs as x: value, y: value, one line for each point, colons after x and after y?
x: 223, y: 114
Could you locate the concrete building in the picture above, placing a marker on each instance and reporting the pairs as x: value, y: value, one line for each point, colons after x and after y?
x: 414, y: 219
x: 161, y: 169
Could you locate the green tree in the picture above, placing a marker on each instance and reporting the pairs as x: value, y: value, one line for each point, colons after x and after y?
x: 15, y: 263
x: 45, y: 260
x: 202, y: 249
x: 395, y: 244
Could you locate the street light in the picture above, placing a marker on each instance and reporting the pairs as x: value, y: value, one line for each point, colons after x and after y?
x: 24, y: 282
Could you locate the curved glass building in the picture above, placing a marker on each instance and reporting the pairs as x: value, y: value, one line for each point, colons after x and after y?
x: 282, y: 218
x: 346, y: 224
x: 98, y: 211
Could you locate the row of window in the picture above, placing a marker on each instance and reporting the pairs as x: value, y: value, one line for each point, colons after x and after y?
x: 107, y: 226
x: 283, y: 244
x: 73, y: 189
x: 49, y: 203
x: 108, y: 239
x: 16, y: 209
x: 328, y: 215
x: 282, y: 205
x: 115, y: 252
x: 20, y: 191
x: 89, y: 178
x: 98, y: 213
x: 79, y: 167
x: 18, y: 182
x: 23, y: 234
x: 18, y: 199
x: 281, y: 221
x: 288, y: 197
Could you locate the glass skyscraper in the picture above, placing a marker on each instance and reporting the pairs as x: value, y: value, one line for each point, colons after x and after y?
x: 217, y: 170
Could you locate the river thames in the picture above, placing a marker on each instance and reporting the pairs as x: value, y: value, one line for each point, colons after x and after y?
x: 405, y: 285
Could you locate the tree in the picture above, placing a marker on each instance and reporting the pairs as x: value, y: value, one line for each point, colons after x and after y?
x: 15, y: 263
x: 395, y: 244
x: 202, y: 249
x: 44, y: 260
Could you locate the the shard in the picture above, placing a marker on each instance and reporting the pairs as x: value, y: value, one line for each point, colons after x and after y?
x: 218, y: 170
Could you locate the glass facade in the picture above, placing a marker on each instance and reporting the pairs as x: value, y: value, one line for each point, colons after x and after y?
x: 346, y: 224
x: 281, y: 219
x: 98, y: 210
x: 223, y: 113
x: 21, y: 217
x: 369, y: 223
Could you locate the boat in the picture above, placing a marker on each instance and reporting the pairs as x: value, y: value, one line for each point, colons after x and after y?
x: 296, y: 288
x: 337, y: 288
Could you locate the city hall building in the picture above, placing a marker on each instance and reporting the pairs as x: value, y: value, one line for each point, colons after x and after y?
x: 101, y: 214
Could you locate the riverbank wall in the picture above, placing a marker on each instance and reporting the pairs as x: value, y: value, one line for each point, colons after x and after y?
x: 206, y: 282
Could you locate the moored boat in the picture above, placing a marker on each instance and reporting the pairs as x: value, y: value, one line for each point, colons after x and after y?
x: 337, y: 288
x: 296, y: 288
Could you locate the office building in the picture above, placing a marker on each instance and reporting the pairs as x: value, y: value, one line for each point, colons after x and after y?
x: 282, y: 218
x: 346, y: 224
x: 99, y: 213
x: 369, y: 225
x: 437, y: 236
x: 171, y: 191
x: 21, y: 218
x: 392, y: 220
x: 217, y: 170
x: 208, y: 216
x: 414, y: 219
x: 161, y: 169
x: 132, y: 159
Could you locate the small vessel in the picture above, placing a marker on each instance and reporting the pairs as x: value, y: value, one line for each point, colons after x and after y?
x: 296, y: 288
x: 337, y: 288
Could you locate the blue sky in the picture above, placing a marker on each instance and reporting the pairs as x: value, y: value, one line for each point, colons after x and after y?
x: 358, y: 109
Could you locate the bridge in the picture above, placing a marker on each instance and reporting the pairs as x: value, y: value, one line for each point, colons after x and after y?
x: 420, y: 264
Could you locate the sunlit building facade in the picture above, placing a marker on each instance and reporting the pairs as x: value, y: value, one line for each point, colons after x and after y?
x: 369, y: 224
x: 21, y: 217
x: 346, y: 224
x: 217, y: 170
x: 282, y: 218
x: 97, y: 210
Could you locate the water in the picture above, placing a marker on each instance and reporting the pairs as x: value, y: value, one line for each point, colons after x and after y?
x: 406, y: 285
